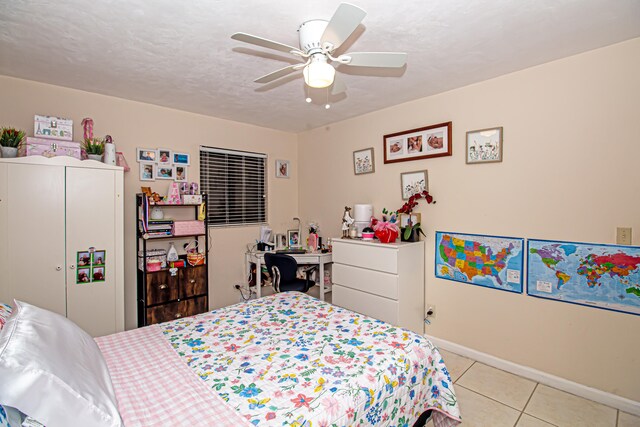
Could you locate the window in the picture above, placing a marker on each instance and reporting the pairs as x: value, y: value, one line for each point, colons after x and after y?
x: 235, y: 185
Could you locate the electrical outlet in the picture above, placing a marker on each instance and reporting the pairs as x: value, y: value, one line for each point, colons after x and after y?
x: 431, y: 312
x: 623, y: 235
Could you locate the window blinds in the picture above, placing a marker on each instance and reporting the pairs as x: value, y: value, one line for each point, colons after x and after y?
x: 235, y: 184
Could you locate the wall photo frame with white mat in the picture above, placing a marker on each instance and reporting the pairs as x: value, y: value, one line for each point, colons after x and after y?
x: 148, y: 171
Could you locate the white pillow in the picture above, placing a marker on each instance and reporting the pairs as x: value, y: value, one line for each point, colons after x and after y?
x: 54, y: 372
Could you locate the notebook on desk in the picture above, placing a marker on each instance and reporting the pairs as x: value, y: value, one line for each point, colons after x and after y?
x: 291, y: 251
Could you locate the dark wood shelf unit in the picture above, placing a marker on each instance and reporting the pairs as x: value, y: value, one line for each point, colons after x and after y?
x: 162, y: 297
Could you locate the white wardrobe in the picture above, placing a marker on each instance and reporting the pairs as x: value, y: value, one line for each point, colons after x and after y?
x: 54, y: 213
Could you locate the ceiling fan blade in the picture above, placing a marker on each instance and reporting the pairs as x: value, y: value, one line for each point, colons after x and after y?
x: 270, y: 44
x: 343, y: 22
x: 338, y: 85
x: 374, y: 59
x: 277, y: 74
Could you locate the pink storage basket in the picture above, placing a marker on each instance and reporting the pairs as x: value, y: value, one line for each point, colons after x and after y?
x: 188, y: 228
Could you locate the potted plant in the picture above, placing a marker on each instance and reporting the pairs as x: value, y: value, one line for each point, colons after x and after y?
x: 411, y: 233
x: 94, y: 147
x: 10, y: 140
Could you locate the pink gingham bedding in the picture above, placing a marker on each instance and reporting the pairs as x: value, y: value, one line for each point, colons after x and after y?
x: 283, y: 360
x: 154, y: 387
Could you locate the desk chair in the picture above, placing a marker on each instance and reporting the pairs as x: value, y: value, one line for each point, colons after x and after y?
x: 283, y: 270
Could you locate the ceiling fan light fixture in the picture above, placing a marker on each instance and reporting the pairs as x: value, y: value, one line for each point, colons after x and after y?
x: 319, y: 73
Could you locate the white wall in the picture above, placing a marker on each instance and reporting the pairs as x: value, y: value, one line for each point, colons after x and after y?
x: 570, y: 172
x: 134, y: 124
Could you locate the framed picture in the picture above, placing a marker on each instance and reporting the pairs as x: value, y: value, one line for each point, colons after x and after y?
x: 181, y: 159
x: 484, y: 145
x: 165, y: 156
x: 403, y: 219
x: 421, y: 143
x: 164, y: 172
x: 281, y: 241
x: 413, y: 182
x: 282, y: 169
x: 293, y: 238
x: 146, y: 155
x: 148, y: 171
x: 180, y: 173
x: 363, y: 161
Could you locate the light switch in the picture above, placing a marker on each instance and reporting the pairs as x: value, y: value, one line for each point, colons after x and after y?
x: 623, y: 235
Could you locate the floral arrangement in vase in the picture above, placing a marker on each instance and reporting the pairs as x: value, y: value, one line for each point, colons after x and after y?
x: 10, y: 140
x: 92, y: 146
x: 412, y: 231
x: 386, y: 230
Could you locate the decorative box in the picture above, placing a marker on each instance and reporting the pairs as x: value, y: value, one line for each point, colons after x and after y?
x: 49, y: 148
x: 153, y: 257
x: 53, y: 127
x: 188, y: 228
x: 191, y: 200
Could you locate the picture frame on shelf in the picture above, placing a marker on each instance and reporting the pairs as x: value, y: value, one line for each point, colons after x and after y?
x: 413, y: 182
x: 484, y: 146
x: 181, y: 159
x: 403, y: 219
x: 282, y: 168
x: 164, y: 172
x: 148, y: 171
x: 363, y: 161
x: 293, y: 238
x: 146, y: 155
x: 165, y: 156
x: 421, y: 143
x: 281, y: 241
x: 180, y: 173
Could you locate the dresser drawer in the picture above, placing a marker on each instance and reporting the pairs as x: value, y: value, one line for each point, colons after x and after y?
x: 371, y: 257
x: 176, y: 310
x: 193, y: 281
x: 370, y: 305
x: 369, y: 281
x: 161, y: 287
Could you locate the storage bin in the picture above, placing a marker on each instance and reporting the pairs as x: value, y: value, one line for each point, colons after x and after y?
x: 49, y: 148
x: 153, y: 255
x: 53, y: 127
x: 188, y: 228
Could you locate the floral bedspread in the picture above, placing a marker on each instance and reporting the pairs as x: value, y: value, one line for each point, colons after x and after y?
x: 292, y: 360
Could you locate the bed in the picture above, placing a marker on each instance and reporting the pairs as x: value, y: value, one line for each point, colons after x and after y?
x: 282, y: 360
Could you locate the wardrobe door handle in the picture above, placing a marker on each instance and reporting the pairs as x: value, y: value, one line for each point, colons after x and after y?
x: 72, y: 267
x: 58, y: 268
x: 163, y: 286
x: 192, y: 281
x: 178, y: 315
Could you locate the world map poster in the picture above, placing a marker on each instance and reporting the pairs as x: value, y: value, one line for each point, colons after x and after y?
x: 604, y: 276
x: 489, y: 261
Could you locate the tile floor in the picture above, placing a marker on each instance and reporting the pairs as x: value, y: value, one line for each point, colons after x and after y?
x: 493, y: 398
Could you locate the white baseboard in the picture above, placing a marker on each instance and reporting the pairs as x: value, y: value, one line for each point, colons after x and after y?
x: 609, y: 399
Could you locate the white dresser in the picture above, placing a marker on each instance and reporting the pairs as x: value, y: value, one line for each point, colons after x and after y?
x: 383, y: 281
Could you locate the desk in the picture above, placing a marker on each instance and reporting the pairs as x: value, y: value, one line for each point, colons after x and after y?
x: 318, y: 259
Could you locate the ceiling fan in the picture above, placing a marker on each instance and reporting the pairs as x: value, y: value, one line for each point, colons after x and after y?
x: 319, y: 39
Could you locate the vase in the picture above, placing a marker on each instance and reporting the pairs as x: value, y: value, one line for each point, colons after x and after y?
x: 413, y: 237
x: 386, y: 235
x: 109, y: 154
x: 97, y: 157
x: 8, y: 152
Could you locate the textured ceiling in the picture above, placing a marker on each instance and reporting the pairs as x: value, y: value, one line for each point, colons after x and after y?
x: 179, y: 53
